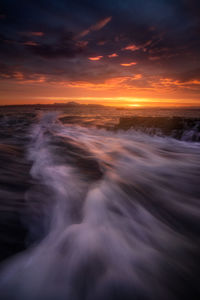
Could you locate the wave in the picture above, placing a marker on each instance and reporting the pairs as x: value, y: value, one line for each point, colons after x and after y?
x: 186, y: 129
x: 116, y: 217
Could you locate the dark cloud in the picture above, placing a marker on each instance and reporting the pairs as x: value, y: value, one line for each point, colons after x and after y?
x: 56, y: 38
x: 65, y: 47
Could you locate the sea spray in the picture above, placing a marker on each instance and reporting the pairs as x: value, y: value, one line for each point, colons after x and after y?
x: 120, y: 217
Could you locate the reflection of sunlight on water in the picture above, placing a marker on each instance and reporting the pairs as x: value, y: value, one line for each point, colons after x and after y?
x: 123, y: 216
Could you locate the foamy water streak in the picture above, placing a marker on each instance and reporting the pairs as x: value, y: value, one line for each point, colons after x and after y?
x: 121, y: 217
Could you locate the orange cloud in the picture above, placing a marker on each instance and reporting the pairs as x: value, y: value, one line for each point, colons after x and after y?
x: 99, y: 25
x: 5, y: 76
x: 154, y: 58
x: 18, y: 75
x: 101, y: 43
x: 131, y: 47
x: 114, y: 83
x: 137, y: 76
x: 128, y: 64
x: 95, y: 58
x: 113, y: 55
x: 172, y: 86
x: 169, y: 82
x: 30, y: 43
x: 195, y: 81
x: 37, y: 33
x: 121, y: 88
x: 24, y: 79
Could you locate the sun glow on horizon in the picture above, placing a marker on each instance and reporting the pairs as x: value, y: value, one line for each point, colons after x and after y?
x: 127, y: 102
x: 135, y: 105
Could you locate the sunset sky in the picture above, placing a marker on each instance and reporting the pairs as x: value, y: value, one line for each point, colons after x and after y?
x: 114, y: 52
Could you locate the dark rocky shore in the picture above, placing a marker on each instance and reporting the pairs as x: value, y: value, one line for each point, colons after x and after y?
x: 177, y: 127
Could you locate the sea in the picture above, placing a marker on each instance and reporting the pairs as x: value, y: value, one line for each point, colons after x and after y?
x: 91, y: 211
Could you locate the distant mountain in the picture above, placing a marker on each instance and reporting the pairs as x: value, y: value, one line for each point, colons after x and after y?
x: 75, y: 104
x: 71, y: 103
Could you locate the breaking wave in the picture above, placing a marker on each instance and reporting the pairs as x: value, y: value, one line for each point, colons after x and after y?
x: 117, y: 216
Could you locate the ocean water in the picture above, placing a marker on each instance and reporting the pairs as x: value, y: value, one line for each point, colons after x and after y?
x: 96, y: 214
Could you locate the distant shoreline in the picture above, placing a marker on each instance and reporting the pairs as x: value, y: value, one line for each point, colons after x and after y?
x: 76, y: 105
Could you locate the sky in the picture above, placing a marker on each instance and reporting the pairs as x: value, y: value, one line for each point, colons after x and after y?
x: 112, y: 52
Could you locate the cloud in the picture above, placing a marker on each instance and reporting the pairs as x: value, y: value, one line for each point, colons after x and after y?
x: 128, y: 64
x: 106, y: 84
x: 31, y: 33
x: 64, y: 47
x: 169, y: 82
x: 30, y: 43
x: 131, y: 47
x: 101, y: 43
x: 36, y: 33
x: 53, y: 51
x: 153, y: 58
x: 95, y: 57
x: 82, y: 44
x: 113, y: 55
x: 99, y: 25
x: 44, y: 40
x: 18, y: 75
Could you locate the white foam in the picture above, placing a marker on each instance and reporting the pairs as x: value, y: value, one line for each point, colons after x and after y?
x: 133, y: 223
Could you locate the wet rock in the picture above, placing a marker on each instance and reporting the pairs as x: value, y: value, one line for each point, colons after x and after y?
x: 170, y: 126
